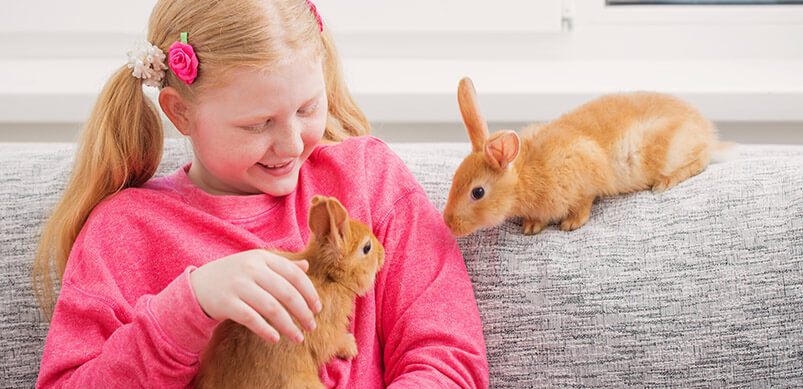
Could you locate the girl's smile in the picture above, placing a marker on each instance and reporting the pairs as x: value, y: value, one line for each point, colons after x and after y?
x: 279, y: 169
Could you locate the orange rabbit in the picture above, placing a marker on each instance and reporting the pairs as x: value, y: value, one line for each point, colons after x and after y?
x: 344, y: 257
x: 552, y: 173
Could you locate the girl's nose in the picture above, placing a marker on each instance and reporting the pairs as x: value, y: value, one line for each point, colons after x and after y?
x: 289, y: 143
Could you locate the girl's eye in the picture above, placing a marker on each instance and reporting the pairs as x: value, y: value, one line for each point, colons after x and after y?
x: 367, y: 248
x: 308, y: 109
x: 257, y: 127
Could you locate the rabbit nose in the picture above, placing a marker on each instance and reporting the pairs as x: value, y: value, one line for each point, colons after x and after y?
x: 447, y: 218
x: 451, y: 222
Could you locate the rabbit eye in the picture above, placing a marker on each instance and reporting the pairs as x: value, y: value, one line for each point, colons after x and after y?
x: 477, y: 193
x: 367, y: 248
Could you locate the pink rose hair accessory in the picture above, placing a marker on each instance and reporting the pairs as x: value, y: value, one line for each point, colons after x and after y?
x: 317, y: 15
x: 182, y: 60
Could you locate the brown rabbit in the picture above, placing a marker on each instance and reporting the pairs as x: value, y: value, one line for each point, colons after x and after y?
x: 615, y: 144
x: 344, y: 257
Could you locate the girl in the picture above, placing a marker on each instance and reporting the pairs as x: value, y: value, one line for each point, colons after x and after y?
x: 156, y: 263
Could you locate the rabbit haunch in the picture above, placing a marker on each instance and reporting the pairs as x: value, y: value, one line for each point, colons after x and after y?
x: 344, y: 257
x: 551, y: 173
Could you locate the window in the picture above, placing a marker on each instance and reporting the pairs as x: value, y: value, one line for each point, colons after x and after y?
x: 740, y: 15
x: 701, y: 2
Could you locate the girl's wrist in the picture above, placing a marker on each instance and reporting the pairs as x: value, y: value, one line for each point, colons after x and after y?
x: 176, y: 311
x: 194, y: 287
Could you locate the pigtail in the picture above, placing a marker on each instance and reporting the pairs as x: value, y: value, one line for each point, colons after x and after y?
x: 120, y: 146
x: 346, y: 119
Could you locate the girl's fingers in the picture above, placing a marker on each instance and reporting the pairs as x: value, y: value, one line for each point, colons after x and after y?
x: 302, y: 264
x: 272, y: 310
x: 287, y: 295
x: 265, y: 292
x: 252, y: 320
x: 297, y: 278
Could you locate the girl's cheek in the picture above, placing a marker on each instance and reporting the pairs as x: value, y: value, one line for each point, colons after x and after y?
x: 312, y: 138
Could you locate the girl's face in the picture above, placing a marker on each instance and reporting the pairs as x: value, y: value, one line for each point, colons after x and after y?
x: 252, y: 133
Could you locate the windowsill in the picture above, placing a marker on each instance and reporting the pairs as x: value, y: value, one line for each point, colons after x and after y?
x: 424, y: 90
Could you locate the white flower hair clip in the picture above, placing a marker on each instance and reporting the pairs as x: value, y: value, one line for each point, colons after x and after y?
x: 148, y: 62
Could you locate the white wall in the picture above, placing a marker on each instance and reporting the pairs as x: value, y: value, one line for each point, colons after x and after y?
x: 531, y: 60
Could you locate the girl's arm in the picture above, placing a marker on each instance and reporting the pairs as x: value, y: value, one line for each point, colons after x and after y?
x: 97, y: 339
x: 101, y: 341
x: 429, y: 320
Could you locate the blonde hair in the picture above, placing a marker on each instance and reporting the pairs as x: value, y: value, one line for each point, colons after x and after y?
x: 121, y: 143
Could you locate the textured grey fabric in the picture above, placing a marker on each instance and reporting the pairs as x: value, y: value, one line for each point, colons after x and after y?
x: 701, y: 285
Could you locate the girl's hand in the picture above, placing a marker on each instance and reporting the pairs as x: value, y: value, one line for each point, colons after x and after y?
x: 257, y: 288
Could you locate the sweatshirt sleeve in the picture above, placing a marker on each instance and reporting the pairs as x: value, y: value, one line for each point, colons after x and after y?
x: 98, y: 340
x: 430, y: 323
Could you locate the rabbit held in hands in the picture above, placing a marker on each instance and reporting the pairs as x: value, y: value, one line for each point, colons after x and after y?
x: 551, y: 173
x: 344, y: 257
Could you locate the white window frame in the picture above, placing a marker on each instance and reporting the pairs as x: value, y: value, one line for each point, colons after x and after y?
x: 710, y: 31
x: 596, y: 12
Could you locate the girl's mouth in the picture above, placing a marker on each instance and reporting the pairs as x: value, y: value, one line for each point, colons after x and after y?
x: 277, y: 169
x: 277, y: 166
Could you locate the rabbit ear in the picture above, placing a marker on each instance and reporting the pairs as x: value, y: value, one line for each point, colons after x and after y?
x: 318, y: 219
x: 502, y: 149
x: 328, y: 219
x: 475, y: 122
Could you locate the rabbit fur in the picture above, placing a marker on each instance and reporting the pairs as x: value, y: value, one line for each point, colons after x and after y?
x: 551, y: 173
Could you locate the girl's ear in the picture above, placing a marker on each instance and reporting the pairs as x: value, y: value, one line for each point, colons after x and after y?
x: 175, y: 108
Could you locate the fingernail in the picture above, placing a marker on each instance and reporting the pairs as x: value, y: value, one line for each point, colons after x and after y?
x: 318, y: 307
x: 299, y: 337
x: 312, y: 325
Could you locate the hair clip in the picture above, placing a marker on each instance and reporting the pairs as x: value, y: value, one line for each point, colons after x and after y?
x: 148, y: 62
x: 317, y: 15
x: 182, y: 60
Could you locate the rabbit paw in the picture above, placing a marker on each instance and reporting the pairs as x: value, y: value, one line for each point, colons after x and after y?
x: 348, y: 347
x: 694, y: 167
x: 532, y: 226
x: 664, y: 184
x: 572, y: 223
x: 578, y: 215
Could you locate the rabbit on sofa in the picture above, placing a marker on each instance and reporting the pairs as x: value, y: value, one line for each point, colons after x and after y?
x: 344, y: 258
x: 551, y: 173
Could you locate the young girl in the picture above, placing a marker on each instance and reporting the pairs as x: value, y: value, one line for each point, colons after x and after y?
x: 149, y: 266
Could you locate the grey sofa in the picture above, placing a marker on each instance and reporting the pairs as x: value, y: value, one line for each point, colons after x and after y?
x: 701, y: 285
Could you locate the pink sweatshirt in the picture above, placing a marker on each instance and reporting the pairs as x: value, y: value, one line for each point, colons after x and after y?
x: 127, y: 315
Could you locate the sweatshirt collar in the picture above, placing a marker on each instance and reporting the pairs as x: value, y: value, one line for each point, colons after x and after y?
x: 228, y: 207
